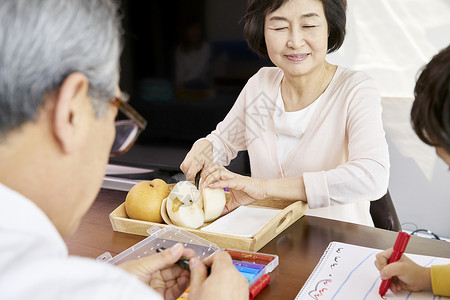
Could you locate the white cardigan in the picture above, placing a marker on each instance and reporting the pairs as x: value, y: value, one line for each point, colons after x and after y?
x: 342, y: 156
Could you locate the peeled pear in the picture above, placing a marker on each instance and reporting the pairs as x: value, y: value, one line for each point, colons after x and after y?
x: 213, y: 203
x: 184, y: 205
x: 164, y: 214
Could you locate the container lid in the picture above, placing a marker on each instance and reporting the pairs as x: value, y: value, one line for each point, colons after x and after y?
x: 162, y: 237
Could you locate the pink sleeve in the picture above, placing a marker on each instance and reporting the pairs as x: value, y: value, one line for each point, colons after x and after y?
x: 229, y: 137
x: 365, y: 176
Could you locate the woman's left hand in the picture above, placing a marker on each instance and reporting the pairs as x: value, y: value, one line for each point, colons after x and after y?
x: 244, y: 189
x: 216, y: 176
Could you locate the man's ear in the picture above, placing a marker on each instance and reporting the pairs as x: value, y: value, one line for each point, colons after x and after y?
x: 72, y: 92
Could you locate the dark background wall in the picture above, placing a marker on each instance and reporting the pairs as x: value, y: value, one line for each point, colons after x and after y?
x: 179, y: 116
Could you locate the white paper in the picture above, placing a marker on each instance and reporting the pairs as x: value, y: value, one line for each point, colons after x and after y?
x: 348, y: 271
x: 117, y: 169
x: 244, y: 221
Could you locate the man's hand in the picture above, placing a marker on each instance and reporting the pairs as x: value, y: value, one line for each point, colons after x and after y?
x: 160, y: 273
x: 224, y: 282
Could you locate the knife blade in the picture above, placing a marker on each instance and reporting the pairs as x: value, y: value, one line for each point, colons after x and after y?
x: 197, y: 180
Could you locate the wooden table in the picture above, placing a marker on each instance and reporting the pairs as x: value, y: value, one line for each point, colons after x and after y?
x: 299, y: 247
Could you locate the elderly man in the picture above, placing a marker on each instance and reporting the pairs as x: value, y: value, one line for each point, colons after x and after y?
x: 59, y: 97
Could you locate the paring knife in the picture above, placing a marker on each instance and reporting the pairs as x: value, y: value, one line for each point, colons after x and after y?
x: 197, y: 180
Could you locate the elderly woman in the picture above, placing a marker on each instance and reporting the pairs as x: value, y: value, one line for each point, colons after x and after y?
x: 313, y: 130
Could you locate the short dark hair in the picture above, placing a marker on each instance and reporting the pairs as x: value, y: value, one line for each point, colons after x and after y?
x: 335, y: 13
x: 430, y: 113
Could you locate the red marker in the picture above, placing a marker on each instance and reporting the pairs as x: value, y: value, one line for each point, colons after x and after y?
x: 258, y: 258
x: 399, y: 248
x: 258, y: 286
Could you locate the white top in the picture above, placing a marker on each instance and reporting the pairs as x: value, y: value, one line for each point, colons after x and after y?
x: 342, y: 155
x: 290, y: 126
x: 34, y: 261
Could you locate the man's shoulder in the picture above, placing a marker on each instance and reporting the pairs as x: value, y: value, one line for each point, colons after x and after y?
x: 72, y: 277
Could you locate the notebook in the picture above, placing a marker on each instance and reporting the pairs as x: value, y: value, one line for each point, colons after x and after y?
x: 348, y: 271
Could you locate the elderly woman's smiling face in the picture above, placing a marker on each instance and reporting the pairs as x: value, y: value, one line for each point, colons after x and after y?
x: 296, y: 36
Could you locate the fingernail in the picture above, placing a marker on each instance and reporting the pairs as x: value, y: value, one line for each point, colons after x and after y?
x: 193, y: 262
x: 176, y: 248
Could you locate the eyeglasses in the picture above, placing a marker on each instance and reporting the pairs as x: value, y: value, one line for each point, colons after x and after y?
x: 127, y: 131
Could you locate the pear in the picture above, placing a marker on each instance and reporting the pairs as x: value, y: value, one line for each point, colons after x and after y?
x: 184, y: 205
x: 213, y: 203
x: 164, y: 214
x: 144, y: 200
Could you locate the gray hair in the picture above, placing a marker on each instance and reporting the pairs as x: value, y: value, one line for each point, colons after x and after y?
x: 43, y: 41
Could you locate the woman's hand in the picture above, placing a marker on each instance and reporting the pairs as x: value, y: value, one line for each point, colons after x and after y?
x: 160, y: 273
x: 200, y: 155
x: 224, y: 282
x: 408, y: 275
x: 238, y: 198
x: 244, y: 190
x: 216, y: 176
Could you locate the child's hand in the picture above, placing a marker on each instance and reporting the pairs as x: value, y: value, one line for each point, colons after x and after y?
x: 408, y: 275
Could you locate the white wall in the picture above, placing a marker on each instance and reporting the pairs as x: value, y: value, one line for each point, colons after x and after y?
x: 391, y: 40
x: 420, y: 181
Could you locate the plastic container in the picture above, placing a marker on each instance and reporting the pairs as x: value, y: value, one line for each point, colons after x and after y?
x: 251, y: 264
